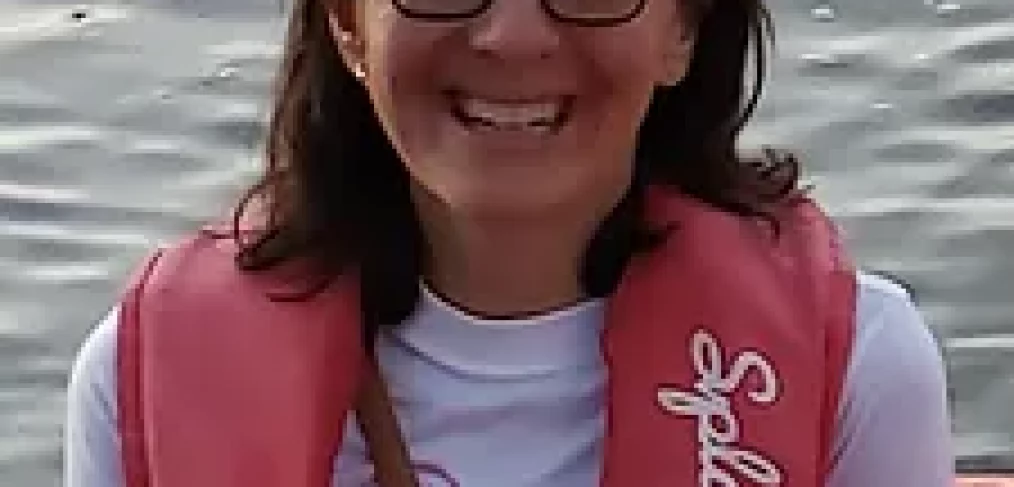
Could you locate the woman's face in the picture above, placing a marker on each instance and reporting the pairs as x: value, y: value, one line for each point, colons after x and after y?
x: 512, y: 113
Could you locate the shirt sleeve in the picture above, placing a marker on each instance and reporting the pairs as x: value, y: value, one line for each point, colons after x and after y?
x: 91, y: 442
x: 893, y: 426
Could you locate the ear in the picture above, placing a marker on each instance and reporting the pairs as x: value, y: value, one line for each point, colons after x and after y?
x: 345, y: 26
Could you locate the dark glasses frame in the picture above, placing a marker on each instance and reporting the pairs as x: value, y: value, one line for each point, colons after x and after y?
x: 547, y: 6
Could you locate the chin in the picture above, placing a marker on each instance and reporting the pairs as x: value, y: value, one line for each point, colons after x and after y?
x: 538, y: 202
x: 541, y: 189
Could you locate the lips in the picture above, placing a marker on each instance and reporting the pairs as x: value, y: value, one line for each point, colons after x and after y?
x: 538, y: 114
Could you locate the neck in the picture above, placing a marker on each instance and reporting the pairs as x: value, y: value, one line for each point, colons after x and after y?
x: 505, y: 267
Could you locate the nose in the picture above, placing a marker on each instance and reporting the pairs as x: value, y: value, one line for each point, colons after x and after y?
x: 513, y: 30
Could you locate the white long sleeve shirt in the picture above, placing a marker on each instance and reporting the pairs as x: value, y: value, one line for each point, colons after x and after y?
x: 519, y: 403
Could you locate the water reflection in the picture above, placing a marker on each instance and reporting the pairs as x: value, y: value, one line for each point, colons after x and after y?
x: 902, y: 109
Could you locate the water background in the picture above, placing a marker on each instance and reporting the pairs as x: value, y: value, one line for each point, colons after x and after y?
x: 126, y: 123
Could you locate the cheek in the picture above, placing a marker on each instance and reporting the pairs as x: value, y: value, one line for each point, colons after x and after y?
x: 631, y: 57
x: 400, y: 64
x: 644, y: 51
x: 391, y: 56
x: 625, y: 70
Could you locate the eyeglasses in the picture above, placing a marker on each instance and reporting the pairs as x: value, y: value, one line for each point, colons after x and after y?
x: 592, y: 13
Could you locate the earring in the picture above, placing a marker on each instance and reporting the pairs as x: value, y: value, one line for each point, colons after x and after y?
x: 359, y: 71
x: 353, y: 49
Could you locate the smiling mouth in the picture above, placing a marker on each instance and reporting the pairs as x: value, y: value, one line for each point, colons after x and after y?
x: 544, y: 115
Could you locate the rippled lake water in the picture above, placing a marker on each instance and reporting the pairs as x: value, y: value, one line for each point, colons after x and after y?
x: 125, y: 123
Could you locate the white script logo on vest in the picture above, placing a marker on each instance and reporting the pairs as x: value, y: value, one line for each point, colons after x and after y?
x: 717, y: 424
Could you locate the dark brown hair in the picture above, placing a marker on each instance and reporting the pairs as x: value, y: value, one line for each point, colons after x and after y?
x: 334, y: 192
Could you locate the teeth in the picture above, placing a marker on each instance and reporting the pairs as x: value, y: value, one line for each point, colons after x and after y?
x: 511, y: 115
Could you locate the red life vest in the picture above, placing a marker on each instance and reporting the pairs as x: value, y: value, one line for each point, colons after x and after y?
x: 725, y: 351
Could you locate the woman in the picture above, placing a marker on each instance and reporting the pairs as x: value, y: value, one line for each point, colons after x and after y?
x: 531, y: 216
